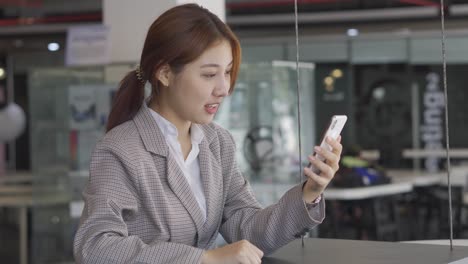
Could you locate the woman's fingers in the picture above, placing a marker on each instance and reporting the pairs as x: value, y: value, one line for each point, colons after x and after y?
x: 320, y: 181
x: 329, y: 156
x: 256, y: 254
x: 257, y: 251
x: 331, y: 159
x: 335, y: 144
x: 325, y: 169
x: 242, y: 252
x: 328, y: 168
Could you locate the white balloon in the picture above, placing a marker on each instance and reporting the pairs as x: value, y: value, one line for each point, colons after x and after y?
x: 12, y: 122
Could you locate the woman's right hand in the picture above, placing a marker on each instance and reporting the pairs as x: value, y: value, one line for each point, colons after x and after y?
x: 242, y: 252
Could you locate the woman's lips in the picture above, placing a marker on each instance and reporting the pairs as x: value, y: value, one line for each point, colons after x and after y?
x: 211, y: 108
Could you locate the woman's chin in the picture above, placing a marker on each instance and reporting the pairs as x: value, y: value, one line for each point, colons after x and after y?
x: 205, y: 120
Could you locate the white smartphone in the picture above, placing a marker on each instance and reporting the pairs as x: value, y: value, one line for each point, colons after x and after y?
x: 334, y: 129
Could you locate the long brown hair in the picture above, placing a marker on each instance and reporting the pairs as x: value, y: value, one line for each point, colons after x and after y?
x: 177, y: 37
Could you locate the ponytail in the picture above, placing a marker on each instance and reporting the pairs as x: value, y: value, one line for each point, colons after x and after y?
x: 127, y: 100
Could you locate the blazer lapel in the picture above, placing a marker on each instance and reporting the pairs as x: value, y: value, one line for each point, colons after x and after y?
x: 182, y: 190
x: 211, y: 174
x: 154, y: 141
x: 150, y: 134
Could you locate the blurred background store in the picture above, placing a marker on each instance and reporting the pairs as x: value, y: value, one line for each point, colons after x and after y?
x: 377, y: 61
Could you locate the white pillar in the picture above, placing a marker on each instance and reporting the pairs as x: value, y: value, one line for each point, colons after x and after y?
x: 217, y: 7
x: 129, y: 22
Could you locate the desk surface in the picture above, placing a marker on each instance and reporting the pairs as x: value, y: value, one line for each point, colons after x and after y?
x: 17, y: 177
x: 415, y: 178
x: 337, y: 251
x: 422, y: 179
x: 33, y: 200
x: 456, y: 242
x: 367, y: 192
x: 15, y: 189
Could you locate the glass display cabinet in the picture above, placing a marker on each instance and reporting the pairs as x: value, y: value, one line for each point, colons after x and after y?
x: 262, y: 116
x: 63, y: 128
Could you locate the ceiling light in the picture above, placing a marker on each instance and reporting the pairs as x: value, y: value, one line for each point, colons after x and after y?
x: 337, y: 73
x: 53, y: 46
x: 352, y: 32
x: 328, y: 81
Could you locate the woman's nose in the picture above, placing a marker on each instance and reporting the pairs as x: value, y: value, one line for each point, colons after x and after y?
x: 222, y: 87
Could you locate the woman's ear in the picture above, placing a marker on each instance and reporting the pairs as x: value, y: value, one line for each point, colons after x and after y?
x: 163, y: 75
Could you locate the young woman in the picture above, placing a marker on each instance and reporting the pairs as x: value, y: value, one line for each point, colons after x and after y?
x: 164, y: 180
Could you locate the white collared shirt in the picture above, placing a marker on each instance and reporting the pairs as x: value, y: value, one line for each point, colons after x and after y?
x: 191, y: 166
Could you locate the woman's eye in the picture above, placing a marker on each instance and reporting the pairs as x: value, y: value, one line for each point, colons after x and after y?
x: 228, y: 72
x: 209, y: 75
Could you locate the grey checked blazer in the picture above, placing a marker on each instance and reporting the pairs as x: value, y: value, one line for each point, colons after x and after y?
x: 139, y: 207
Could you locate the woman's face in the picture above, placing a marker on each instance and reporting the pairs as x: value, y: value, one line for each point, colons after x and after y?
x: 195, y: 93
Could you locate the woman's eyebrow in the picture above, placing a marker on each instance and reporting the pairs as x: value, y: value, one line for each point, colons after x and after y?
x: 213, y: 65
x: 209, y: 65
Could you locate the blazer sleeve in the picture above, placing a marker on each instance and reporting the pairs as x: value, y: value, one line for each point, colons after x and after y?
x: 269, y: 228
x: 110, y: 197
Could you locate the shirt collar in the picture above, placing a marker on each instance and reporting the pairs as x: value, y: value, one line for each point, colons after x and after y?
x: 170, y: 130
x: 196, y: 133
